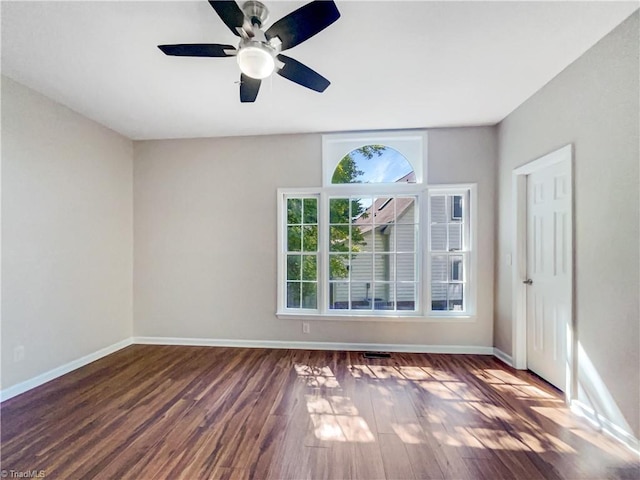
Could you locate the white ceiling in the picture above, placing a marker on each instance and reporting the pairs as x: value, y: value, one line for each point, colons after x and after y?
x: 392, y: 64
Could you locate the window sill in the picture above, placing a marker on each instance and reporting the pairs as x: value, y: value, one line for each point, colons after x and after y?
x: 351, y: 317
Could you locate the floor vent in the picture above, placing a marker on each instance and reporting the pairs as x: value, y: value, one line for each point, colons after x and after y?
x: 376, y: 355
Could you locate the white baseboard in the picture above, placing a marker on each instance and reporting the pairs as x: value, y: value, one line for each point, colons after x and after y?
x: 503, y: 356
x: 34, y: 382
x: 606, y: 425
x: 374, y: 347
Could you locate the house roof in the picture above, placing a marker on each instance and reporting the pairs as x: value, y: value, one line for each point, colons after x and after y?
x: 384, y: 210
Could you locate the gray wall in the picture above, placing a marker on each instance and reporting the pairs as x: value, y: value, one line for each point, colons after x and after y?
x: 67, y: 233
x: 593, y: 104
x: 205, y: 237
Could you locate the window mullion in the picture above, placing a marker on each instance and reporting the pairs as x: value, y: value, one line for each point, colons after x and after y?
x: 323, y: 253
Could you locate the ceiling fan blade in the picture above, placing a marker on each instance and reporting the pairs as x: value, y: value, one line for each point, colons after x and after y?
x: 303, y: 23
x: 302, y: 75
x: 249, y: 88
x: 230, y: 14
x: 198, y: 50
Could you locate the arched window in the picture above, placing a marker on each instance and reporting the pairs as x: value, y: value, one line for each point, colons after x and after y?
x: 373, y: 164
x: 373, y: 158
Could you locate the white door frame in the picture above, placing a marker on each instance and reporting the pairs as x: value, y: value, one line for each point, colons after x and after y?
x: 519, y: 263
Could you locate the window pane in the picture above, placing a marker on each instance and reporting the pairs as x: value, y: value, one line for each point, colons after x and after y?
x: 384, y: 267
x: 339, y: 239
x: 362, y: 267
x: 439, y: 268
x: 455, y: 268
x: 406, y: 210
x: 438, y: 296
x: 293, y: 267
x: 455, y: 236
x: 384, y: 210
x: 309, y: 267
x: 294, y: 211
x: 439, y: 238
x: 339, y: 296
x: 360, y: 296
x: 405, y: 238
x: 405, y: 267
x: 309, y: 295
x: 373, y: 164
x: 361, y: 210
x: 438, y: 209
x: 361, y: 238
x: 338, y: 267
x: 294, y: 239
x: 339, y: 210
x: 455, y: 297
x: 384, y: 296
x: 406, y: 296
x: 310, y: 238
x: 310, y: 210
x: 384, y: 238
x: 293, y: 294
x: 455, y: 207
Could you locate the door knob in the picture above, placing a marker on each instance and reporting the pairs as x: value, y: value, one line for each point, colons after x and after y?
x: 528, y: 281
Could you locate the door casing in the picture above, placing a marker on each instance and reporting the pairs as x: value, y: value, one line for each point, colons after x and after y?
x: 519, y: 264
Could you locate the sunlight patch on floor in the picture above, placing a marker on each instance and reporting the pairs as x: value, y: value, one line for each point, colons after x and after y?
x: 497, y: 440
x: 336, y: 418
x: 359, y: 371
x: 506, y: 377
x: 561, y: 417
x: 440, y: 375
x: 492, y: 411
x: 462, y: 390
x: 316, y: 376
x: 438, y: 389
x: 410, y: 433
x: 341, y: 428
x: 601, y: 442
x: 414, y: 373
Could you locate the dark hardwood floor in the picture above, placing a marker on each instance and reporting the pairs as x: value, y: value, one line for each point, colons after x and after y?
x: 150, y: 412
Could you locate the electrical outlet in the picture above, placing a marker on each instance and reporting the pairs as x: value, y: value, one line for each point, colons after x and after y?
x: 305, y: 327
x: 18, y: 353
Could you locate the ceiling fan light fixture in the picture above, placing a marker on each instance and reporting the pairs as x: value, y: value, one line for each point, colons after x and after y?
x: 256, y: 60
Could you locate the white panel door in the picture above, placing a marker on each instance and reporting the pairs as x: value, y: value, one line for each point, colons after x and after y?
x: 549, y: 252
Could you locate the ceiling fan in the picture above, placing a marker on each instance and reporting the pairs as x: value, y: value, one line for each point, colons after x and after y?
x: 258, y: 53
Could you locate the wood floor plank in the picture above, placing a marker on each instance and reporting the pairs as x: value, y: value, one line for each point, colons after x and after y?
x: 171, y: 412
x: 367, y: 461
x: 394, y: 457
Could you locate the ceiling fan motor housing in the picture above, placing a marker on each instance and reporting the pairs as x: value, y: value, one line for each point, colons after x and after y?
x: 256, y: 12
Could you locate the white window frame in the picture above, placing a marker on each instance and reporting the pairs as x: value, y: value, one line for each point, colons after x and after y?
x: 469, y: 249
x: 409, y: 190
x: 283, y: 195
x: 413, y: 145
